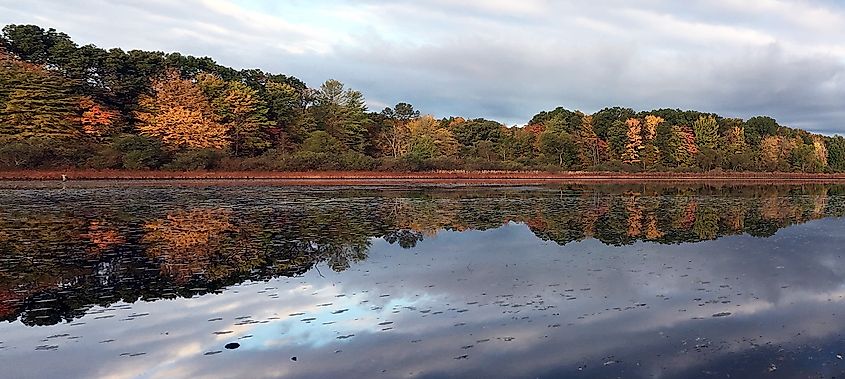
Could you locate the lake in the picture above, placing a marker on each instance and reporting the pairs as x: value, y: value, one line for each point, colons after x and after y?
x: 239, y: 280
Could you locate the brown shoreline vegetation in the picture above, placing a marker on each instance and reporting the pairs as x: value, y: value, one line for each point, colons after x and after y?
x: 431, y: 177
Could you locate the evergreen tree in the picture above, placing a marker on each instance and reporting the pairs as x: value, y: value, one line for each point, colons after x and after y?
x: 36, y: 103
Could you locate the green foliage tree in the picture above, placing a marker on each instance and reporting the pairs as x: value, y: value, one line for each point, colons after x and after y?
x: 706, y: 132
x: 558, y: 147
x: 836, y: 153
x: 342, y: 113
x: 758, y: 127
x: 36, y: 103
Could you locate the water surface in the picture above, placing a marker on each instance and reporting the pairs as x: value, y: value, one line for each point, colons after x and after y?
x: 109, y: 280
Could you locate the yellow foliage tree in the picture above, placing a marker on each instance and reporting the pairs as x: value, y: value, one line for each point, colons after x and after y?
x: 180, y: 115
x: 427, y: 129
x: 774, y: 151
x: 651, y: 154
x: 635, y: 141
x: 820, y: 150
x: 651, y: 124
x: 735, y: 139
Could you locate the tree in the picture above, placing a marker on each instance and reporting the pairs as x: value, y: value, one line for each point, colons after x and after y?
x: 246, y: 118
x: 617, y: 138
x: 820, y: 151
x: 558, y: 145
x: 239, y: 108
x: 321, y: 142
x: 651, y: 153
x: 605, y: 119
x: 470, y: 132
x: 428, y: 139
x: 635, y: 141
x: 706, y: 132
x: 179, y: 114
x: 394, y: 139
x: 342, y: 113
x: 517, y: 144
x: 651, y: 124
x: 775, y: 151
x: 758, y: 127
x: 683, y: 146
x: 734, y: 140
x: 285, y: 111
x: 591, y: 149
x: 34, y: 44
x: 803, y: 158
x: 36, y: 103
x: 404, y: 112
x: 97, y: 120
x: 836, y: 153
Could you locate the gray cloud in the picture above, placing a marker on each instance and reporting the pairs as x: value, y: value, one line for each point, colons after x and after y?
x: 506, y: 60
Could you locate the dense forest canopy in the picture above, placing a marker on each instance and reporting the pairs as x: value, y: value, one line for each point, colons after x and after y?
x: 68, y: 106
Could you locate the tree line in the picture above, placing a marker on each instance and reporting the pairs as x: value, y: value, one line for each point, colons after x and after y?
x: 68, y: 106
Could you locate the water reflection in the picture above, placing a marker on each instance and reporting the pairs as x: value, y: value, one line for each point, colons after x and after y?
x: 590, y: 281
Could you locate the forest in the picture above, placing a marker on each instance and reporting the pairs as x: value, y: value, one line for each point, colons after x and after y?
x: 65, y: 106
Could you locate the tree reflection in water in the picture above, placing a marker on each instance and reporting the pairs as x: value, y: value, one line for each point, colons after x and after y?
x: 66, y: 251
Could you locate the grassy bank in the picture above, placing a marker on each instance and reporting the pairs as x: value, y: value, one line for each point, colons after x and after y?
x: 435, y: 177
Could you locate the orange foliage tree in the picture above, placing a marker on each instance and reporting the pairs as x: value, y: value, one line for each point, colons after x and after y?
x: 97, y: 121
x: 180, y: 115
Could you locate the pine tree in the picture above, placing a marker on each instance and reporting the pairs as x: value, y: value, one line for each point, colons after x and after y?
x: 706, y: 132
x: 342, y: 113
x: 35, y: 103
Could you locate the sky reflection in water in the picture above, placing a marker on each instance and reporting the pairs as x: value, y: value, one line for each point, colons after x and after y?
x: 480, y: 287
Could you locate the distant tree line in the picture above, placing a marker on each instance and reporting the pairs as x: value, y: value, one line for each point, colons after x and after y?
x: 68, y: 106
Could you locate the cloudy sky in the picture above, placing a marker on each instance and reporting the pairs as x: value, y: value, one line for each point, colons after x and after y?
x: 501, y: 59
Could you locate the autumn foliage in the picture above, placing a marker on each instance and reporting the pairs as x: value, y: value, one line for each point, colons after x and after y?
x: 180, y: 115
x: 85, y: 107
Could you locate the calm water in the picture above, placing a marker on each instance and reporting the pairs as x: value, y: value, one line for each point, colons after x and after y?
x: 143, y: 281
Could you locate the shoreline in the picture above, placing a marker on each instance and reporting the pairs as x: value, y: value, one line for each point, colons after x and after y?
x: 433, y: 177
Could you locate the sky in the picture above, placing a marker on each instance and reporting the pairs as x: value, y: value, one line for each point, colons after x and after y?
x: 504, y: 60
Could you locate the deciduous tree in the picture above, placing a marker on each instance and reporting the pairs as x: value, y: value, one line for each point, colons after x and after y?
x: 180, y: 115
